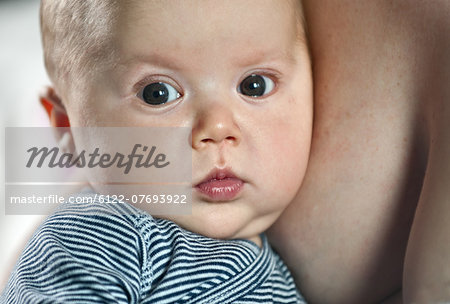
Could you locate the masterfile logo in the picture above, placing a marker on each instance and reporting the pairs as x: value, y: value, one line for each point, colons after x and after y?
x: 94, y: 159
x: 149, y: 167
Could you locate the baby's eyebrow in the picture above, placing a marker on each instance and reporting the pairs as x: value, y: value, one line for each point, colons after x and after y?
x: 256, y: 56
x: 154, y: 58
x: 241, y: 58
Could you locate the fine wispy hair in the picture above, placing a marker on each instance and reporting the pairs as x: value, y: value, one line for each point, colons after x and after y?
x: 76, y: 36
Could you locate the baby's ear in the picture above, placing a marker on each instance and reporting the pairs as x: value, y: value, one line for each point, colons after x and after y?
x: 59, y: 120
x: 56, y: 111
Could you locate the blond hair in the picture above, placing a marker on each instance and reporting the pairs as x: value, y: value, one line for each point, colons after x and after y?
x: 75, y: 36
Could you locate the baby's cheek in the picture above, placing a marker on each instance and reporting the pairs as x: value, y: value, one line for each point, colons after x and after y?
x: 289, y: 150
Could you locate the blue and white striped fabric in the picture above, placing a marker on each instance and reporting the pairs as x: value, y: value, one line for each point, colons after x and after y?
x: 115, y: 253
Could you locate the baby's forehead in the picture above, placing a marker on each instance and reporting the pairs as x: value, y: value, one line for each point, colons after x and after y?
x: 205, y: 25
x: 205, y: 11
x: 82, y: 34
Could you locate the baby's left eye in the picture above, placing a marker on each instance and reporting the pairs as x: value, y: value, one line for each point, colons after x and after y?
x: 256, y: 85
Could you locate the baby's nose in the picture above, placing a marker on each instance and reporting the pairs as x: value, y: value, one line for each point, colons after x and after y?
x: 215, y: 125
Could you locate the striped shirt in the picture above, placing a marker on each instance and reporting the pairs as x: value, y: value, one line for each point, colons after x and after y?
x: 115, y: 253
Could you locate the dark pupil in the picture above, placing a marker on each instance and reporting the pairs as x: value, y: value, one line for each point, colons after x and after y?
x: 253, y: 85
x: 155, y: 93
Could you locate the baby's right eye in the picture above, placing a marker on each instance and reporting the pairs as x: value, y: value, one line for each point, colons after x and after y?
x: 158, y: 93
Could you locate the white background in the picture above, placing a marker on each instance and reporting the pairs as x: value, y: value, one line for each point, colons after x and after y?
x: 22, y: 75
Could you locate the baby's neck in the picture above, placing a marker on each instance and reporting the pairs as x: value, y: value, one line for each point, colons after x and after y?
x: 257, y: 240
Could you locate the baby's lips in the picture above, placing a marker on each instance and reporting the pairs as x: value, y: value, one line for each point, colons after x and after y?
x: 218, y: 174
x: 220, y: 185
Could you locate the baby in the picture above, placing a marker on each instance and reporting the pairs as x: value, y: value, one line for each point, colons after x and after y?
x: 238, y: 74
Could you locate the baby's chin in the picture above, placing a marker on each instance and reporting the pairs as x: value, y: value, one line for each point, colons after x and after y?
x: 225, y: 229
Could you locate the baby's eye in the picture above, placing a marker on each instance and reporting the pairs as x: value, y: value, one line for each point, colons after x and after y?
x: 158, y: 93
x: 256, y: 85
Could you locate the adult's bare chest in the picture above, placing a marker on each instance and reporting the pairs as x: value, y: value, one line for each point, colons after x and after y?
x: 346, y: 232
x: 351, y: 219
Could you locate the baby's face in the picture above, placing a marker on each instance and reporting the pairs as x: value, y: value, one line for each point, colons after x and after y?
x: 233, y: 71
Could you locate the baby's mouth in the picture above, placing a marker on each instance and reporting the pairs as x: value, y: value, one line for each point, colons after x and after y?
x: 220, y: 185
